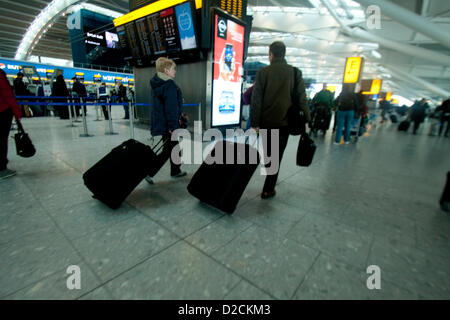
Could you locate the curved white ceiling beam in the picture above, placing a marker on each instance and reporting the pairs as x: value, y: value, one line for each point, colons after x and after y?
x: 400, y: 74
x: 45, y: 20
x: 393, y: 45
x: 40, y: 23
x: 411, y: 20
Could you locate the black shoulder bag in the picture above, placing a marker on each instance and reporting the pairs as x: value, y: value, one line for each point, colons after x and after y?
x: 24, y: 146
x: 296, y: 118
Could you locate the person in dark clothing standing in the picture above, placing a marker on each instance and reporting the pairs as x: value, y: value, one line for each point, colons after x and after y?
x: 272, y: 97
x: 444, y: 108
x: 59, y: 89
x: 20, y: 89
x: 122, y: 94
x: 103, y: 98
x: 167, y: 103
x: 347, y: 106
x: 8, y: 108
x: 418, y: 114
x: 80, y: 89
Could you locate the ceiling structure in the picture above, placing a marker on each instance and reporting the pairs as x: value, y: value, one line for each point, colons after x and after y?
x: 319, y: 35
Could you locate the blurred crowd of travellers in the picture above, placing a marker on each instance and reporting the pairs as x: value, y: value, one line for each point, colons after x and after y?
x: 59, y: 89
x: 277, y: 102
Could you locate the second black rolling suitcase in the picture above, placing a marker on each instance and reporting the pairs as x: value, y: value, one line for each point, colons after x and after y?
x: 117, y: 174
x: 221, y: 185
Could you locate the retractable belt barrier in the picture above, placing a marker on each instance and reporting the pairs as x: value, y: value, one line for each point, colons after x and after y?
x: 131, y: 106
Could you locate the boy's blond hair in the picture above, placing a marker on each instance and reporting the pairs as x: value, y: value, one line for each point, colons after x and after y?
x: 163, y: 63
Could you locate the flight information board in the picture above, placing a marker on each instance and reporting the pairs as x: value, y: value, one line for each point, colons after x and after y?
x: 167, y: 31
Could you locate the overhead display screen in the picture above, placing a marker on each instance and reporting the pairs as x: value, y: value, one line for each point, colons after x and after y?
x: 112, y: 40
x: 227, y: 71
x: 163, y: 32
x: 186, y: 26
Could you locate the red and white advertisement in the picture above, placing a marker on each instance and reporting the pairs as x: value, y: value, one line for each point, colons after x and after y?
x: 228, y: 71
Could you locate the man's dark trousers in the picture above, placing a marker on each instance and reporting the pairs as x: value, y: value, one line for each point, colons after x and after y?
x: 283, y: 136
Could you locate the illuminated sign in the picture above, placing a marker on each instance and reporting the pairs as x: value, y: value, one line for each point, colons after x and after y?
x: 145, y: 11
x: 375, y: 88
x: 389, y: 96
x: 353, y: 68
x: 331, y: 88
x: 227, y: 71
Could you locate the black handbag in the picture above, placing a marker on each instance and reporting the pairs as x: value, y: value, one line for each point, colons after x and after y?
x: 24, y: 146
x: 296, y: 118
x: 305, y: 151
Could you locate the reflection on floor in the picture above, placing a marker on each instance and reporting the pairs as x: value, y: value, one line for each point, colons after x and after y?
x: 357, y: 205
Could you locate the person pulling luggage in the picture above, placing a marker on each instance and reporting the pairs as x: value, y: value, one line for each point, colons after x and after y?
x: 167, y: 103
x: 321, y: 116
x: 272, y: 98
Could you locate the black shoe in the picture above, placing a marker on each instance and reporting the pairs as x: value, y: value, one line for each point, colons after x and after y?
x: 179, y: 175
x: 267, y: 195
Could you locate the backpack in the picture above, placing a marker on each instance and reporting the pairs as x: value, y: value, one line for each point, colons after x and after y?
x: 346, y: 102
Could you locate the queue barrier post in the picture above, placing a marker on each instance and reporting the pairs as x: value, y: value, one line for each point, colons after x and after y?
x: 70, y: 109
x: 130, y: 106
x: 85, y: 134
x: 97, y: 112
x: 111, y: 131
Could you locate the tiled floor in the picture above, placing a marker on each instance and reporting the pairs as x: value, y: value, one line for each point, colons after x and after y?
x: 371, y: 203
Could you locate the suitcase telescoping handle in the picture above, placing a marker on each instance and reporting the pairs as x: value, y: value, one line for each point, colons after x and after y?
x: 157, y: 149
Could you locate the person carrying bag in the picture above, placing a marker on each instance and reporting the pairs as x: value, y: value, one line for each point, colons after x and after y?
x: 9, y: 108
x: 276, y: 87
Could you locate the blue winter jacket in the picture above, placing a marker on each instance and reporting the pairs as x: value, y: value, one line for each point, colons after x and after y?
x: 167, y: 101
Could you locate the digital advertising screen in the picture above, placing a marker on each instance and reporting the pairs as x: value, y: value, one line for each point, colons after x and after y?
x: 228, y: 69
x: 112, y: 40
x: 186, y: 26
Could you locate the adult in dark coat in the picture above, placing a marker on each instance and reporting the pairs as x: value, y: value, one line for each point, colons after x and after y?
x: 167, y: 102
x: 272, y: 97
x: 59, y: 89
x: 80, y: 89
x: 418, y: 114
x: 445, y: 117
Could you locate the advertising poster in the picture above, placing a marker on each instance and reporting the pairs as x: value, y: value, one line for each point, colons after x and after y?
x: 186, y: 26
x: 227, y: 72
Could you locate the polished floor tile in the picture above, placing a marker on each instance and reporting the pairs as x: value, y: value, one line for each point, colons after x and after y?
x: 370, y: 203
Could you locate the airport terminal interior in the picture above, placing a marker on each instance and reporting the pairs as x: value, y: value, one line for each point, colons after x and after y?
x: 364, y: 221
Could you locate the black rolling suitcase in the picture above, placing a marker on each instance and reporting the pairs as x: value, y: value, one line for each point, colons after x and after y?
x: 445, y: 198
x: 117, y: 174
x: 393, y: 118
x: 404, y: 125
x: 221, y: 185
